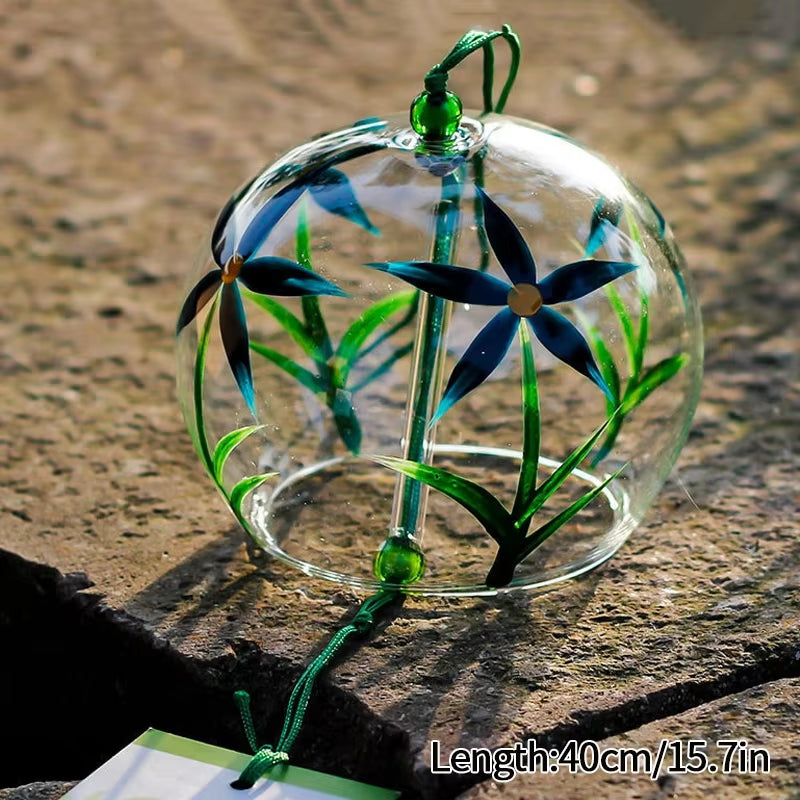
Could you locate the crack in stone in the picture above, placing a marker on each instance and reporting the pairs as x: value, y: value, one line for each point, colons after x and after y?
x: 93, y: 678
x: 96, y: 676
x: 660, y: 705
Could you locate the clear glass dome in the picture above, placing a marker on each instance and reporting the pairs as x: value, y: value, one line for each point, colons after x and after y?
x: 480, y: 361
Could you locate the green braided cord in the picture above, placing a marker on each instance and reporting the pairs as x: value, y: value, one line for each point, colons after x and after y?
x: 268, y: 756
x: 436, y: 79
x: 242, y: 700
x: 488, y: 77
x: 298, y: 701
x: 263, y: 761
x: 513, y: 68
x: 436, y: 82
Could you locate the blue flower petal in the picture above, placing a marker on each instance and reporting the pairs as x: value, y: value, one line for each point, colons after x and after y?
x: 223, y: 237
x: 373, y: 123
x: 348, y: 155
x: 268, y: 216
x: 280, y: 276
x: 332, y: 190
x: 578, y: 279
x: 480, y: 360
x: 606, y: 215
x: 233, y: 327
x: 510, y: 248
x: 566, y: 343
x: 449, y: 282
x: 660, y: 221
x: 202, y: 292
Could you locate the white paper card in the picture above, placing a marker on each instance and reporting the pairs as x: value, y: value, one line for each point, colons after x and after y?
x: 161, y: 766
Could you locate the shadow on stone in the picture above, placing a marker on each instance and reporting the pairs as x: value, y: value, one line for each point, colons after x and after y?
x: 92, y: 679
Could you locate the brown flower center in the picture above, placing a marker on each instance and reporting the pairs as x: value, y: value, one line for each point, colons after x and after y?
x: 524, y: 299
x: 230, y: 272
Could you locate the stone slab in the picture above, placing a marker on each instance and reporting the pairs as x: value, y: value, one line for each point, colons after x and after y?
x: 123, y: 131
x: 759, y: 756
x: 37, y: 791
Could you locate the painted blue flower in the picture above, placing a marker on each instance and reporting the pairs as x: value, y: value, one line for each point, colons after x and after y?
x: 605, y: 218
x: 269, y: 275
x: 523, y: 298
x: 327, y: 186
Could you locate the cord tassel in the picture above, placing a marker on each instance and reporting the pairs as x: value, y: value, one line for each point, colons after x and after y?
x: 267, y: 756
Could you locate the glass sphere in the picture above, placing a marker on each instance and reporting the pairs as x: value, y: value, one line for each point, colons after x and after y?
x: 456, y: 368
x: 436, y: 117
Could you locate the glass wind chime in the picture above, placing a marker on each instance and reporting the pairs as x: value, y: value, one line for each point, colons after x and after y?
x: 452, y: 357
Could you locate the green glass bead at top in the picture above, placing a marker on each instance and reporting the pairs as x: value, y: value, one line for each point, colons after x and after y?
x: 436, y: 117
x: 399, y: 560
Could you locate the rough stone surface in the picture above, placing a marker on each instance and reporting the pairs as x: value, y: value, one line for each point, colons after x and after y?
x: 736, y: 766
x: 124, y: 128
x: 37, y: 791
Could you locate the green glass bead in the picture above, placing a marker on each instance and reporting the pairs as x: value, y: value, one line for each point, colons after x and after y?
x: 436, y: 117
x: 400, y: 560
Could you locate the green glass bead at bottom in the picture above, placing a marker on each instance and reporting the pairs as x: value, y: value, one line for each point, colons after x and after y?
x: 400, y: 560
x: 436, y: 117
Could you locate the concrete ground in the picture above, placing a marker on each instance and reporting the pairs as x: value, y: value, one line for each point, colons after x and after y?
x: 128, y: 597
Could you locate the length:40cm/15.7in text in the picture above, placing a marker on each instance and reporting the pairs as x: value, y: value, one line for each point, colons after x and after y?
x: 672, y: 757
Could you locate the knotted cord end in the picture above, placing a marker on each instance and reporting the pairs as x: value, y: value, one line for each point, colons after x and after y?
x: 363, y: 621
x: 436, y: 82
x: 263, y: 761
x: 266, y: 757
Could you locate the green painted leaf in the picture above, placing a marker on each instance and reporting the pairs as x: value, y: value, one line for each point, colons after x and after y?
x: 644, y: 319
x: 316, y: 326
x: 201, y: 442
x: 226, y: 445
x: 478, y: 501
x: 634, y: 228
x: 344, y: 415
x: 609, y: 371
x: 549, y: 528
x: 243, y: 488
x: 365, y: 326
x: 612, y: 431
x: 349, y: 429
x: 626, y: 324
x: 531, y: 427
x: 644, y: 332
x: 391, y: 330
x: 605, y: 361
x: 383, y: 368
x: 652, y: 379
x: 288, y: 321
x: 300, y: 374
x: 560, y: 475
x: 608, y: 368
x: 315, y: 322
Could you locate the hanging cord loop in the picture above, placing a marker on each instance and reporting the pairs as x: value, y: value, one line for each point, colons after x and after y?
x: 266, y: 756
x: 436, y: 79
x: 436, y: 112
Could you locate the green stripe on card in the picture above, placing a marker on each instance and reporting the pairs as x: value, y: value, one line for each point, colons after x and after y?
x: 189, y: 748
x: 230, y: 759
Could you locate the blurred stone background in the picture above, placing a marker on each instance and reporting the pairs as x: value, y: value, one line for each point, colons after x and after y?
x: 127, y: 597
x: 779, y: 19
